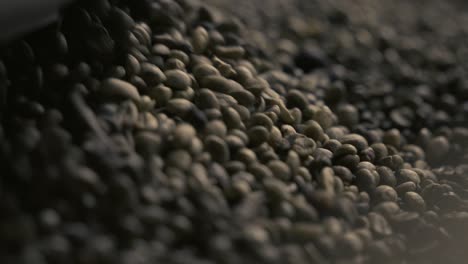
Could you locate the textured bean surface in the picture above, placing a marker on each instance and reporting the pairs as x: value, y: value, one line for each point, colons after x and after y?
x: 217, y: 131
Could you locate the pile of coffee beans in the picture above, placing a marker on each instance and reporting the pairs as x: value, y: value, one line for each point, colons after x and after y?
x: 169, y: 131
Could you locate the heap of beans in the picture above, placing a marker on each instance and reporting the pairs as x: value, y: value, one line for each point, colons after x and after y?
x: 166, y: 131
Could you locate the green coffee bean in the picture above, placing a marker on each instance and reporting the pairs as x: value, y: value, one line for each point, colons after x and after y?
x: 118, y: 89
x: 177, y: 79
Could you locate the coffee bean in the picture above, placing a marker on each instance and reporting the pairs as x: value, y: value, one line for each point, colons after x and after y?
x: 260, y: 171
x: 348, y: 161
x: 295, y: 98
x: 132, y: 65
x: 356, y: 140
x: 384, y: 193
x: 304, y: 146
x: 414, y: 201
x: 179, y: 159
x: 276, y: 189
x: 380, y: 150
x: 405, y: 175
x: 204, y: 70
x: 277, y: 139
x: 379, y: 225
x: 367, y: 155
x: 394, y: 162
x: 118, y: 89
x: 387, y: 209
x: 345, y: 149
x: 217, y: 148
x: 221, y: 84
x: 152, y: 74
x: 387, y: 177
x: 229, y: 52
x: 348, y: 115
x: 161, y: 94
x: 392, y: 137
x: 183, y: 135
x: 244, y: 97
x: 332, y: 145
x: 258, y: 135
x: 179, y: 106
x: 437, y: 148
x: 325, y: 118
x: 261, y: 119
x: 344, y: 173
x: 405, y: 187
x: 280, y: 169
x: 160, y: 49
x: 349, y: 245
x: 177, y: 79
x: 207, y: 99
x: 200, y: 39
x: 366, y: 180
x: 180, y: 55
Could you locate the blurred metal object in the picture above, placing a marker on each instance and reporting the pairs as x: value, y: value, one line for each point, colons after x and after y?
x: 21, y: 16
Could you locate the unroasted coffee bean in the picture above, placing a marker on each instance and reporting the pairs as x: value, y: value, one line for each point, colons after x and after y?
x: 181, y: 55
x: 380, y: 150
x: 183, y: 135
x: 304, y: 146
x: 221, y: 84
x: 244, y: 97
x: 348, y: 115
x: 133, y: 131
x: 322, y: 158
x: 118, y: 89
x: 356, y: 140
x: 262, y: 120
x: 152, y: 74
x: 366, y: 180
x: 177, y: 79
x: 280, y: 169
x: 276, y: 189
x: 204, y: 70
x: 345, y: 149
x: 387, y: 177
x: 414, y: 201
x: 348, y: 161
x: 217, y: 148
x: 392, y: 137
x: 406, y: 187
x: 258, y: 135
x: 394, y: 162
x: 303, y: 232
x: 349, y: 244
x: 216, y: 127
x: 387, y: 209
x: 260, y: 171
x: 324, y: 117
x: 379, y: 225
x: 174, y: 64
x: 437, y: 148
x: 405, y: 175
x: 332, y: 145
x: 229, y: 52
x: 326, y: 179
x: 179, y: 106
x: 344, y: 173
x: 207, y: 99
x: 200, y: 40
x: 384, y: 193
x: 161, y: 94
x: 295, y: 98
x: 179, y: 159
